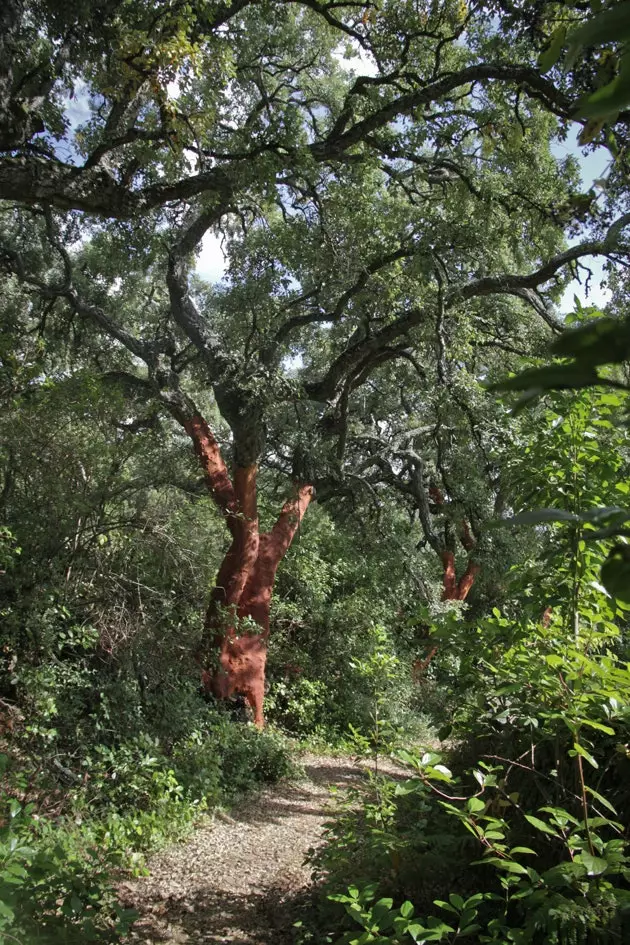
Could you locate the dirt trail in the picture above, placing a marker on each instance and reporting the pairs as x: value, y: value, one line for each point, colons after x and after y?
x: 234, y: 880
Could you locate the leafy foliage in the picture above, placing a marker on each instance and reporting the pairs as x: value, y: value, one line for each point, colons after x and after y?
x: 398, y: 232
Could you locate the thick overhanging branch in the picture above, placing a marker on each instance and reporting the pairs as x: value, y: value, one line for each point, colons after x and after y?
x: 32, y: 180
x: 191, y: 321
x: 197, y: 227
x: 521, y: 76
x: 375, y: 265
x: 145, y: 350
x: 523, y: 286
x: 354, y: 358
x: 527, y: 286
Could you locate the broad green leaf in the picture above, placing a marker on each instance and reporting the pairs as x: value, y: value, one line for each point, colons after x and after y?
x: 579, y: 749
x: 551, y: 377
x: 611, y: 26
x: 6, y: 910
x: 602, y: 800
x: 595, y: 865
x: 616, y: 573
x: 540, y: 825
x: 445, y: 905
x: 416, y: 931
x: 598, y: 726
x: 443, y: 770
x: 469, y: 930
x: 551, y: 54
x: 603, y: 341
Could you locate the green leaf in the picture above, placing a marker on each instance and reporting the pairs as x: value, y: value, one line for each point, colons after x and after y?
x: 76, y: 905
x: 616, y: 573
x: 611, y: 26
x: 445, y: 905
x: 540, y: 825
x: 598, y: 726
x: 581, y: 750
x: 595, y: 865
x: 553, y: 660
x: 406, y: 910
x: 602, y: 800
x: 416, y: 931
x: 6, y: 910
x: 551, y: 377
x: 603, y: 341
x: 508, y: 866
x: 540, y: 516
x: 560, y: 815
x: 444, y: 771
x: 382, y: 905
x: 469, y: 930
x: 610, y: 99
x: 511, y: 866
x: 551, y: 54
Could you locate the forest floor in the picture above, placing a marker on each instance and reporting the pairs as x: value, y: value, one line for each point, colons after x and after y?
x: 237, y: 879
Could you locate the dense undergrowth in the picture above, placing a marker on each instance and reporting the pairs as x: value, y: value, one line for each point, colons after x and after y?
x: 108, y: 748
x: 61, y: 849
x: 517, y: 832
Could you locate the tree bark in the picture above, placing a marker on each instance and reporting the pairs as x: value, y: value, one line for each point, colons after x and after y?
x: 452, y: 589
x: 233, y: 650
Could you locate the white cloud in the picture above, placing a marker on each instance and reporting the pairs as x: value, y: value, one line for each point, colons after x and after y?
x: 360, y: 62
x: 211, y: 262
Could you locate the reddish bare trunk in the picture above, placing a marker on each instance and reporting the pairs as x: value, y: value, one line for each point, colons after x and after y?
x: 237, y: 625
x: 233, y: 650
x: 452, y: 589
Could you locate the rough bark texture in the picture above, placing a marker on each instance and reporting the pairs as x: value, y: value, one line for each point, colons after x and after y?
x: 233, y: 651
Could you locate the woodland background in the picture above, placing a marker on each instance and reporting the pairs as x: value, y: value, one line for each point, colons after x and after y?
x: 376, y: 475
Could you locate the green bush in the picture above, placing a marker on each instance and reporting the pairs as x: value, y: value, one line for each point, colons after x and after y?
x: 55, y: 885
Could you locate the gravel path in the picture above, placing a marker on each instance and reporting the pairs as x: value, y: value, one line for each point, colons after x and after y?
x: 234, y: 880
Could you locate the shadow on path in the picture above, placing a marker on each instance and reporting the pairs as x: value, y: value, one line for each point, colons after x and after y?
x: 242, y: 878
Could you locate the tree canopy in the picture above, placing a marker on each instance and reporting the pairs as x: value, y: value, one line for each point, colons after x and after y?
x: 321, y: 449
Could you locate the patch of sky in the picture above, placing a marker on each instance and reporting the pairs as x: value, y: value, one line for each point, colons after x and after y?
x: 593, y: 165
x: 77, y: 109
x: 211, y: 261
x: 293, y: 363
x: 353, y: 58
x: 211, y: 264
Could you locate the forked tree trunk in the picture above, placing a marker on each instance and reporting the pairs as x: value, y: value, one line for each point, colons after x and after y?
x: 233, y: 650
x: 452, y: 589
